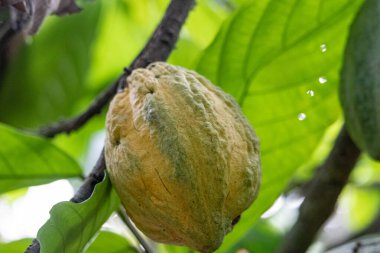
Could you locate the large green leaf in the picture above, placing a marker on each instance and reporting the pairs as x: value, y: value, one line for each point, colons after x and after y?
x: 15, y: 246
x: 48, y: 76
x: 72, y: 225
x: 108, y: 242
x: 27, y: 160
x: 261, y: 238
x: 123, y: 31
x: 281, y: 61
x: 105, y: 242
x: 198, y: 32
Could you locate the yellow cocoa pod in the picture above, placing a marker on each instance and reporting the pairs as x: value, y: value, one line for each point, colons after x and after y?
x: 181, y: 156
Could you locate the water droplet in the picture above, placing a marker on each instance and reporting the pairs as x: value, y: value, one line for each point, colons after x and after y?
x: 301, y: 116
x: 310, y: 93
x: 322, y: 80
x: 323, y: 48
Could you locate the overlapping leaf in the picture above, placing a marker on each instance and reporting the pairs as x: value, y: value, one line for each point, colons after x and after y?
x: 281, y: 61
x: 72, y: 225
x: 46, y: 79
x: 103, y: 241
x: 27, y: 160
x: 15, y: 246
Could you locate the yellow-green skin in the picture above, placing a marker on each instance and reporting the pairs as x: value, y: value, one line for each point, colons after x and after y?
x: 181, y: 156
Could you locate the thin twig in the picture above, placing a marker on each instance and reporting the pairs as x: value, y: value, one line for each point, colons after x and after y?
x: 322, y: 194
x: 158, y: 48
x: 124, y: 217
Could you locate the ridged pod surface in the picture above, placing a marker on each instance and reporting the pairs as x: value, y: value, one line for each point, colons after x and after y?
x: 181, y: 156
x: 360, y: 82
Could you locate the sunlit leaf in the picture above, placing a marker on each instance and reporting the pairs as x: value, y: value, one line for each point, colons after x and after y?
x: 27, y: 160
x: 108, y: 242
x: 72, y: 225
x: 28, y: 15
x: 167, y: 248
x: 15, y: 246
x: 198, y: 32
x: 123, y: 31
x: 281, y: 61
x: 262, y: 237
x: 362, y: 205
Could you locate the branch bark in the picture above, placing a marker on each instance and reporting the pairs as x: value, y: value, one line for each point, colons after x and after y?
x: 158, y: 48
x: 322, y: 194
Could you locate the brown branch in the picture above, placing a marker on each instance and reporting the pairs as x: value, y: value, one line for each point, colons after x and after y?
x: 322, y: 194
x: 88, y: 185
x: 158, y: 48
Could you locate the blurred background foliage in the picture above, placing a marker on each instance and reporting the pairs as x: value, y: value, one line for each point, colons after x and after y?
x: 279, y: 59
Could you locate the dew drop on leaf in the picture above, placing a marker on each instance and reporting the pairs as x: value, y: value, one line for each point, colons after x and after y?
x: 322, y: 80
x: 310, y: 93
x: 323, y: 48
x: 301, y: 116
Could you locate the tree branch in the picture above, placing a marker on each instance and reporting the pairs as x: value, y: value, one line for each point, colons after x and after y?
x: 322, y: 194
x: 88, y: 185
x: 158, y: 48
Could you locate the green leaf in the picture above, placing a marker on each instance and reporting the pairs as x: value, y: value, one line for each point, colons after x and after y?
x: 360, y: 197
x: 167, y: 248
x: 72, y: 225
x: 15, y: 246
x: 200, y: 28
x: 262, y: 237
x: 27, y: 160
x: 108, y: 242
x: 362, y: 205
x: 48, y: 76
x: 123, y: 31
x: 281, y: 61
